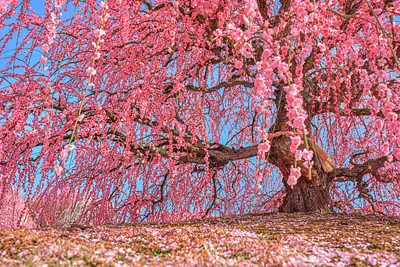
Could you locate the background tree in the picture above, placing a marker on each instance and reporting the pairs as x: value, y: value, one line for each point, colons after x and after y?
x: 180, y: 109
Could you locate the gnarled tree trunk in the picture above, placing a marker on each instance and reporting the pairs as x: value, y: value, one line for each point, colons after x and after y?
x: 308, y: 194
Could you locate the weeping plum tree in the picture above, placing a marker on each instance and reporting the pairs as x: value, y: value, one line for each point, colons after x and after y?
x: 172, y: 110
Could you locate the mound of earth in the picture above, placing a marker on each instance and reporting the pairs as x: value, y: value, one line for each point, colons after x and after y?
x: 249, y: 240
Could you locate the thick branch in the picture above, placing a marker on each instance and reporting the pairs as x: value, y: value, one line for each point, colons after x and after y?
x: 370, y: 166
x: 219, y: 86
x: 326, y: 107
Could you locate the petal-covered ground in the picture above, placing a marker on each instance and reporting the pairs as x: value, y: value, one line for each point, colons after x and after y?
x: 249, y: 240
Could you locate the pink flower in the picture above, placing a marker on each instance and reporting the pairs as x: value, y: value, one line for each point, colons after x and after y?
x: 394, y: 126
x: 53, y: 17
x: 264, y: 147
x: 58, y: 169
x: 91, y: 71
x: 307, y: 154
x: 378, y: 124
x: 80, y: 118
x: 264, y: 135
x: 69, y: 147
x: 97, y: 55
x: 260, y: 109
x: 298, y: 122
x: 308, y: 164
x: 294, y: 175
x: 385, y: 148
x: 43, y: 60
x: 295, y: 143
x: 322, y: 47
x: 4, y: 4
x: 238, y: 64
x: 392, y: 116
x: 396, y: 153
x: 298, y: 155
x: 64, y: 154
x: 398, y: 165
x: 381, y: 88
x: 45, y: 48
x: 259, y: 83
x: 364, y: 75
x: 396, y: 6
x: 99, y: 33
x: 283, y: 67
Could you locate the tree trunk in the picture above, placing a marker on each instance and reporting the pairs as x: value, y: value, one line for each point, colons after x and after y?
x: 307, y: 195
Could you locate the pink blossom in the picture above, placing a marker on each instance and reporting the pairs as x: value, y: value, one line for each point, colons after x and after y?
x: 64, y: 154
x: 260, y: 109
x: 58, y: 170
x: 43, y: 60
x: 45, y: 48
x: 307, y: 154
x: 298, y: 122
x: 81, y: 117
x: 264, y: 147
x: 238, y: 64
x: 396, y: 6
x: 321, y: 47
x: 95, y: 45
x: 304, y: 154
x: 364, y: 74
x: 381, y: 88
x: 294, y: 175
x: 91, y: 71
x: 378, y: 124
x: 308, y: 164
x: 298, y: 155
x: 53, y: 17
x: 391, y: 116
x: 295, y: 143
x: 249, y: 7
x: 397, y: 164
x: 4, y: 4
x: 394, y: 126
x: 396, y: 153
x: 103, y: 5
x: 259, y: 83
x: 385, y: 148
x: 99, y: 33
x: 69, y: 147
x: 97, y: 55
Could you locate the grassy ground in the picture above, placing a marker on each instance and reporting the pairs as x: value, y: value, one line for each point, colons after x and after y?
x: 249, y: 240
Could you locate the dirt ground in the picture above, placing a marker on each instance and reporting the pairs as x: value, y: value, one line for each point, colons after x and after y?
x: 248, y: 240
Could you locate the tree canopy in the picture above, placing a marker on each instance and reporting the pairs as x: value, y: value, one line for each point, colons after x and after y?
x: 166, y: 110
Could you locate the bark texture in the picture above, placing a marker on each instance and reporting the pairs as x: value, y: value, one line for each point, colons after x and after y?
x: 308, y: 194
